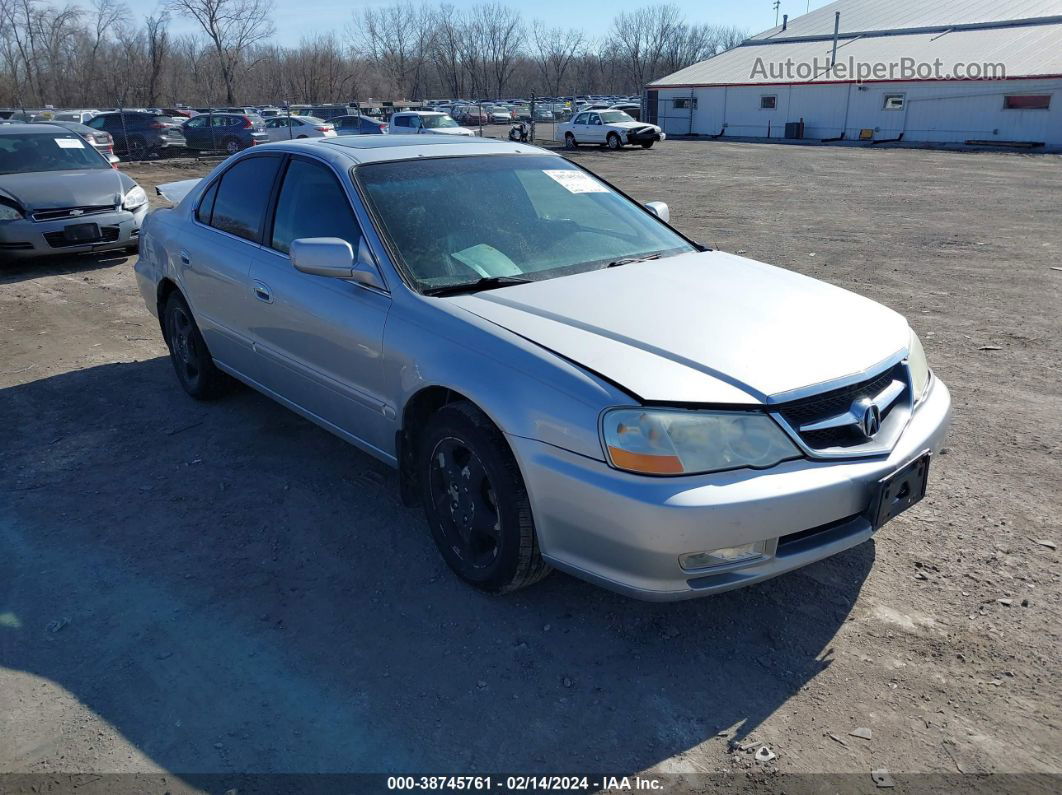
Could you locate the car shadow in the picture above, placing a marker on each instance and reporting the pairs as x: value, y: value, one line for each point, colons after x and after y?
x: 234, y: 590
x: 12, y: 272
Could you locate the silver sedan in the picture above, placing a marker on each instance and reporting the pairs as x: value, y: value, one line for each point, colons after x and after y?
x: 562, y: 379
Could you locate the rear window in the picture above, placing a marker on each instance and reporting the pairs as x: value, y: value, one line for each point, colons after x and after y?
x: 29, y: 153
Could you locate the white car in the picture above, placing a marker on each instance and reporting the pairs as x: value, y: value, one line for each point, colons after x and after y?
x: 613, y: 128
x: 425, y: 121
x: 285, y: 128
x: 79, y: 116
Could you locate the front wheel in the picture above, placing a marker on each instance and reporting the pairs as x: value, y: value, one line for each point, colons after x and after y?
x: 476, y: 503
x: 188, y: 352
x: 614, y: 141
x: 569, y: 141
x: 648, y: 144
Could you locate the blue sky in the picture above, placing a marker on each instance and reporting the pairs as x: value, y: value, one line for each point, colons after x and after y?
x: 297, y: 18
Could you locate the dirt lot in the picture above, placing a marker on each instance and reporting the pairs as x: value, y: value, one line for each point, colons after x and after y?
x: 223, y: 588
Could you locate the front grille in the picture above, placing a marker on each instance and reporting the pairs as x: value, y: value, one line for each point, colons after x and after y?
x: 108, y: 234
x: 64, y: 213
x: 837, y: 401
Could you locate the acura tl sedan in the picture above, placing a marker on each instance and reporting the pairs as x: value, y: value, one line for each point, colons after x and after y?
x: 59, y: 195
x: 561, y: 378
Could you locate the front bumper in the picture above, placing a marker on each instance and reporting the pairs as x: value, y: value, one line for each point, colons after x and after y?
x: 26, y: 239
x: 626, y: 532
x: 645, y: 137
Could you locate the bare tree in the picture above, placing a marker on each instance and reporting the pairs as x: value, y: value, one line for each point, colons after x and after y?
x: 640, y: 38
x: 106, y: 14
x: 158, y: 43
x: 398, y: 40
x: 446, y: 50
x: 554, y: 51
x: 233, y: 26
x: 499, y: 35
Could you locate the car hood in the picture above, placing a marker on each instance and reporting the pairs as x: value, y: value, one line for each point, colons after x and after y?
x: 705, y: 327
x: 56, y: 189
x: 631, y: 125
x: 450, y: 131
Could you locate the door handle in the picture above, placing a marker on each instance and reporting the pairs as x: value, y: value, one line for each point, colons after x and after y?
x: 185, y: 259
x: 262, y: 292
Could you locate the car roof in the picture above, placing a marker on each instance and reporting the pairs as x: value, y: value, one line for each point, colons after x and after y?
x: 378, y: 148
x: 40, y: 128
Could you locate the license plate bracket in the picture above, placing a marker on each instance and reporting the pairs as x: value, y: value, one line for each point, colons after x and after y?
x: 81, y: 233
x: 899, y: 491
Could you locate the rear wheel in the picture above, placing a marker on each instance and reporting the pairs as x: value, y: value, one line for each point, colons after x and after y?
x: 137, y: 149
x: 231, y: 145
x: 569, y: 141
x: 188, y: 352
x: 476, y: 503
x: 613, y: 141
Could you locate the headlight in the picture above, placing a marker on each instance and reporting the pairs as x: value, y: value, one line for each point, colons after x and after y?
x: 679, y: 442
x: 135, y: 198
x: 9, y: 213
x: 919, y: 365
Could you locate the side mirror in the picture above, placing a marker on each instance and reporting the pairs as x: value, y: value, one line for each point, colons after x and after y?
x: 660, y: 210
x: 323, y: 256
x: 333, y: 257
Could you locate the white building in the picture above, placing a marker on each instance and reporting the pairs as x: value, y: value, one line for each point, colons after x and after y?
x: 946, y: 71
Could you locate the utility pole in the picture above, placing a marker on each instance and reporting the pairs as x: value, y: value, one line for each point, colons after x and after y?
x: 776, y: 6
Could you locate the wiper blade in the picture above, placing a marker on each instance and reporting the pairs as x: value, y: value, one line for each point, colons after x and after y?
x: 628, y: 260
x: 486, y: 283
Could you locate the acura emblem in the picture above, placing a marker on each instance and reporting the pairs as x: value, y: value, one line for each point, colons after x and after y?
x: 871, y: 421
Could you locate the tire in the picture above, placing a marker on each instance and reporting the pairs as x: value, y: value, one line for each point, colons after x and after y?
x: 300, y: 136
x: 475, y: 501
x: 569, y: 141
x: 613, y: 142
x: 648, y: 144
x: 191, y: 360
x: 231, y: 145
x: 137, y: 148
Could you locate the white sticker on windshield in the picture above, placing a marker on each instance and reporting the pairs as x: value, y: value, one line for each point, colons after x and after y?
x: 69, y: 143
x: 576, y: 181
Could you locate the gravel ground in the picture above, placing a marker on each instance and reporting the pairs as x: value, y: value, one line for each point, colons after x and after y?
x: 225, y: 588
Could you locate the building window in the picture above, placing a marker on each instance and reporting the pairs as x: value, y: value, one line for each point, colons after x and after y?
x: 1027, y: 102
x: 768, y: 102
x: 685, y: 103
x: 894, y: 102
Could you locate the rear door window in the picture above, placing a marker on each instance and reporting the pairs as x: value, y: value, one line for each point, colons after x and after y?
x: 243, y: 195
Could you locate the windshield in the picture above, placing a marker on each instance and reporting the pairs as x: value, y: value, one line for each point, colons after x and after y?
x: 456, y: 220
x: 27, y: 153
x: 433, y: 122
x: 614, y: 116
